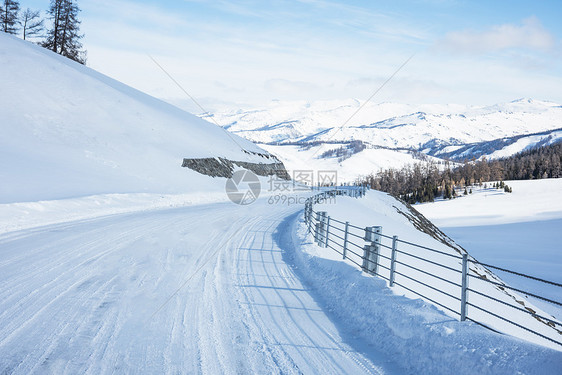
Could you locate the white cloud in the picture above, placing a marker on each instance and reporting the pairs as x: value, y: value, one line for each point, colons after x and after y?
x: 530, y: 34
x: 288, y: 86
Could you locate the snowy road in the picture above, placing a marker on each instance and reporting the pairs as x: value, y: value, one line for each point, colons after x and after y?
x: 202, y: 289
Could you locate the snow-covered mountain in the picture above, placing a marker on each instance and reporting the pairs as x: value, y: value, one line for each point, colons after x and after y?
x: 69, y: 131
x: 444, y: 131
x: 389, y: 124
x: 497, y: 148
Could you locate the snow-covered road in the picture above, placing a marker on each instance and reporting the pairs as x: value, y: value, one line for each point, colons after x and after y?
x: 201, y: 289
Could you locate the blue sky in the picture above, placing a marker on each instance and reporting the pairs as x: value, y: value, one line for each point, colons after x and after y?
x: 251, y: 52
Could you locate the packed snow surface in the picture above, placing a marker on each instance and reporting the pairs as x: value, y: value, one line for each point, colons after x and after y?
x: 142, y: 293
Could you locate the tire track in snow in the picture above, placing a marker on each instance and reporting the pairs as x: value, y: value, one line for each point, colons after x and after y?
x: 56, y: 289
x: 279, y: 304
x: 63, y: 294
x: 82, y: 301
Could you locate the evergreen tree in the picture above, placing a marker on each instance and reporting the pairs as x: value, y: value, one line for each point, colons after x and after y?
x: 32, y: 24
x: 64, y: 36
x: 9, y: 20
x: 448, y: 194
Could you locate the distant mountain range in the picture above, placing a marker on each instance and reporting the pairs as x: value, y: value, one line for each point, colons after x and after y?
x: 455, y: 132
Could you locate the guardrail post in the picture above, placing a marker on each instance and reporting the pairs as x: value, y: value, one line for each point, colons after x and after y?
x: 320, y: 237
x: 327, y: 231
x: 371, y: 250
x: 323, y: 232
x: 464, y: 286
x: 345, y: 238
x: 317, y: 227
x: 308, y: 215
x: 393, y: 260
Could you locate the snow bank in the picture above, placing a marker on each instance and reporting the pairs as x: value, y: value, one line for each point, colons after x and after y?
x: 396, y: 218
x: 24, y: 215
x: 414, y: 333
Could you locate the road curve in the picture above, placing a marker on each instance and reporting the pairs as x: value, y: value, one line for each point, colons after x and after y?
x: 203, y: 289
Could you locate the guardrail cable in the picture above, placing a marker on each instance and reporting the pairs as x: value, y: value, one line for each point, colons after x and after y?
x: 323, y: 227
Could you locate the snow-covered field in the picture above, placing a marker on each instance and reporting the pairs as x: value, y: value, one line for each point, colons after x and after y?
x: 519, y: 231
x: 531, y: 201
x: 361, y: 164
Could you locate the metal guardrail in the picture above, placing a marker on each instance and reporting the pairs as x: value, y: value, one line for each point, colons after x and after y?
x: 376, y: 254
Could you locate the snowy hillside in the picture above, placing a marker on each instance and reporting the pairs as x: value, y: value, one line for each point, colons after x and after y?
x: 497, y: 148
x: 69, y: 131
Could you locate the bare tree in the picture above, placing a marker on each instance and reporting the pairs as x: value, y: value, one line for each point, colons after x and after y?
x: 9, y: 21
x: 32, y: 24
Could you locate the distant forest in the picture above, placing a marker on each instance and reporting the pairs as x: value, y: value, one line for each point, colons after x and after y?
x: 425, y: 182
